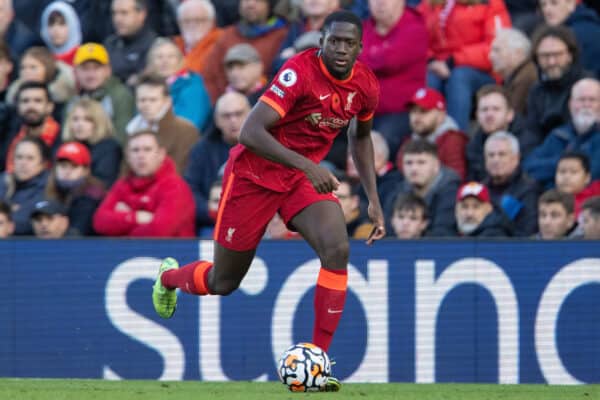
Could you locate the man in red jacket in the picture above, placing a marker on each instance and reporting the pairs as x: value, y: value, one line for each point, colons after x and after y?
x: 430, y: 121
x: 151, y: 200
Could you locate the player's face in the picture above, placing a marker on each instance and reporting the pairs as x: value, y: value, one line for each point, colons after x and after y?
x: 340, y: 45
x: 409, y: 224
x: 553, y: 220
x: 571, y: 177
x: 493, y: 113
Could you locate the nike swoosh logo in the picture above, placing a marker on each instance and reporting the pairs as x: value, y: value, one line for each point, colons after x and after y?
x: 330, y: 311
x: 323, y: 97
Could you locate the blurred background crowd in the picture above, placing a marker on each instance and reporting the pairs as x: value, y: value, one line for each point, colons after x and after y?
x: 116, y: 117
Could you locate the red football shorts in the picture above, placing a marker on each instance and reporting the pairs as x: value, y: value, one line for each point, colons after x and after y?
x: 246, y: 208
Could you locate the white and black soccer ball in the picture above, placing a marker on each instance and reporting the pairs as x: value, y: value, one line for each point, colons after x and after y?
x: 304, y: 367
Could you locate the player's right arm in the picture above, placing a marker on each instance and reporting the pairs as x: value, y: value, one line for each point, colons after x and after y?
x: 256, y: 137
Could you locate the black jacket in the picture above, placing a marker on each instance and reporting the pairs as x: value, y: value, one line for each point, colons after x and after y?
x: 128, y: 55
x: 518, y: 199
x: 23, y: 197
x: 495, y: 224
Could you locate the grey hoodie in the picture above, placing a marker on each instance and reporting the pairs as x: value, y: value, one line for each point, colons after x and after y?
x: 73, y: 24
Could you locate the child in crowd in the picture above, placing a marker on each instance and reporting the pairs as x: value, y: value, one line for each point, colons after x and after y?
x: 409, y: 219
x: 61, y: 30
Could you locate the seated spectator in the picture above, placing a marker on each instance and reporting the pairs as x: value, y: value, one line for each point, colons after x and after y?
x: 61, y: 30
x: 34, y: 110
x: 573, y: 176
x: 429, y: 121
x: 409, y: 219
x: 199, y: 33
x: 95, y: 81
x: 88, y: 123
x: 583, y: 21
x: 38, y: 65
x: 7, y: 225
x: 313, y: 14
x: 132, y: 39
x: 72, y: 185
x: 460, y: 36
x: 50, y: 220
x: 556, y: 216
x: 151, y: 200
x: 510, y: 55
x: 512, y: 190
x: 494, y: 113
x: 25, y: 186
x: 358, y: 225
x: 245, y: 72
x: 6, y: 69
x: 581, y: 133
x: 476, y: 215
x: 387, y: 177
x: 155, y: 106
x: 14, y: 32
x: 257, y: 27
x: 208, y: 156
x: 556, y: 54
x: 214, y: 197
x: 395, y: 48
x: 590, y: 219
x: 428, y: 179
x: 190, y: 98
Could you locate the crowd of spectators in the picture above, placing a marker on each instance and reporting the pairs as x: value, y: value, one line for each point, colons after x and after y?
x: 116, y: 117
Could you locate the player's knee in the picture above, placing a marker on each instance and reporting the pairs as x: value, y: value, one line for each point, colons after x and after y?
x: 335, y: 255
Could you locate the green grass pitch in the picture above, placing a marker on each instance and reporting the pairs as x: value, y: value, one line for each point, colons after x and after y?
x: 80, y: 389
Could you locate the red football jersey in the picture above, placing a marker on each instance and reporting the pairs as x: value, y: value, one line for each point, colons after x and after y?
x: 314, y: 106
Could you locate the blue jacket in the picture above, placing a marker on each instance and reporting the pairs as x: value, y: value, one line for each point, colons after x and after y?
x: 24, y: 195
x: 19, y: 38
x: 585, y: 23
x: 204, y: 164
x: 191, y: 100
x: 541, y: 163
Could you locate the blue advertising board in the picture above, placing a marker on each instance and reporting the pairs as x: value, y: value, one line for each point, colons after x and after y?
x: 423, y: 311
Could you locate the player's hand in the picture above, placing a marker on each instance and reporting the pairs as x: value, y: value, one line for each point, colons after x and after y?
x: 376, y: 217
x: 321, y: 178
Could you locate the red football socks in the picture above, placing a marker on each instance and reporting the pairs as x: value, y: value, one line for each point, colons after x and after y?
x: 330, y: 297
x: 191, y: 278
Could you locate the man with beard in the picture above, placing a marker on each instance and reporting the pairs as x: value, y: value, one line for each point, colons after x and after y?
x: 34, y: 110
x: 581, y: 134
x: 476, y: 215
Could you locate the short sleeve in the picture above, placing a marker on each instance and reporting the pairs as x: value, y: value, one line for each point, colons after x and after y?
x: 371, y: 97
x: 285, y: 89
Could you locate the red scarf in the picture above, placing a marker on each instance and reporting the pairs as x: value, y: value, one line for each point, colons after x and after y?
x: 49, y: 135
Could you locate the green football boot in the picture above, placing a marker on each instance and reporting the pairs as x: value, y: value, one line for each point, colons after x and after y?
x: 164, y: 300
x: 332, y: 385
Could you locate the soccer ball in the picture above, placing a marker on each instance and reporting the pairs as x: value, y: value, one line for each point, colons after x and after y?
x: 304, y: 367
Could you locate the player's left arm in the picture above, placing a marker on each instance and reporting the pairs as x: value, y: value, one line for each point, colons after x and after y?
x: 361, y: 147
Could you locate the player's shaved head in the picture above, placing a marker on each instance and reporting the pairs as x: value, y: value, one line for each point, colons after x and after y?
x: 343, y: 16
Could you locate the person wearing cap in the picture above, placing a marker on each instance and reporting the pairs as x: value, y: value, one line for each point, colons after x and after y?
x: 427, y: 178
x: 430, y: 121
x: 25, y: 186
x: 199, y: 32
x: 129, y: 45
x: 34, y: 113
x: 245, y: 72
x: 187, y: 89
x: 151, y: 200
x: 72, y: 185
x: 395, y: 48
x: 50, y: 220
x: 7, y: 225
x: 304, y: 33
x: 258, y: 27
x: 94, y: 78
x: 155, y: 113
x: 476, y: 215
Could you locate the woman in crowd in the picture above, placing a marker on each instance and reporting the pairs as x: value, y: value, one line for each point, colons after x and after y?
x: 88, y: 123
x: 61, y: 30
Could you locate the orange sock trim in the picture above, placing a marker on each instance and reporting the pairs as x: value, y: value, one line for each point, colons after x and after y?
x: 200, y: 277
x: 332, y: 280
x: 224, y: 197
